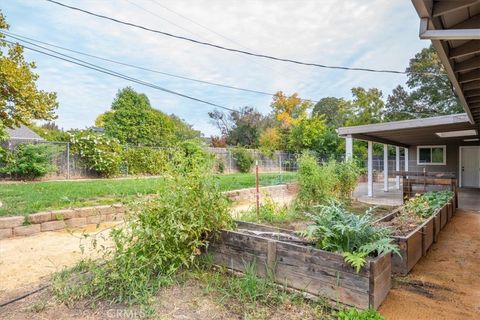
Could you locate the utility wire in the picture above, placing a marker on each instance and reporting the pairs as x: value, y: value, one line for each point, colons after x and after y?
x: 22, y: 38
x: 230, y: 49
x: 113, y: 73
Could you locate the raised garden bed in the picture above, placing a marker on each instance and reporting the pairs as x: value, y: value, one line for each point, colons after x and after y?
x: 302, y: 267
x: 415, y: 244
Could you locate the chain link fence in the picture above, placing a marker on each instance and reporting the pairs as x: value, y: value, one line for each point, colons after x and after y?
x: 69, y: 165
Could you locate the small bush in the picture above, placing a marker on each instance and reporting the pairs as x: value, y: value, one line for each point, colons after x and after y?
x: 320, y: 182
x: 145, y: 160
x: 243, y: 159
x: 29, y: 161
x: 269, y: 212
x: 165, y: 233
x: 220, y: 165
x: 98, y: 152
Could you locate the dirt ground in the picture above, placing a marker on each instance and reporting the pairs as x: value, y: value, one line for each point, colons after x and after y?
x: 446, y: 283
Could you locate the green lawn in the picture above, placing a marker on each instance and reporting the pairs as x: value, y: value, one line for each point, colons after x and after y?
x: 25, y: 198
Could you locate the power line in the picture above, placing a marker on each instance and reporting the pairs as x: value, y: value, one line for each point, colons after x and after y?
x: 113, y: 73
x: 231, y: 49
x: 22, y: 38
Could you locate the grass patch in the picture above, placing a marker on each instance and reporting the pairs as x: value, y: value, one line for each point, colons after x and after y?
x: 30, y: 197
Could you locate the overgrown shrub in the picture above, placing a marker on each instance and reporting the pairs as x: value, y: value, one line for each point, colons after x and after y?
x: 145, y: 160
x: 98, y: 152
x: 320, y: 182
x: 164, y: 233
x: 337, y: 230
x: 243, y: 159
x: 29, y: 161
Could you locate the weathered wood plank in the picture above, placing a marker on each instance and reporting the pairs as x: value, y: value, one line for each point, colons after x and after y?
x: 381, y: 283
x: 427, y: 235
x: 443, y: 216
x: 414, y: 250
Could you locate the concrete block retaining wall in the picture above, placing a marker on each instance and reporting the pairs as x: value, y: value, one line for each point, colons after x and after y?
x: 78, y: 217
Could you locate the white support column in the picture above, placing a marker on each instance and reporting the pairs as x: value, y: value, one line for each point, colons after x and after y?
x: 397, y: 167
x: 406, y: 159
x: 370, y: 169
x: 385, y: 168
x: 348, y: 147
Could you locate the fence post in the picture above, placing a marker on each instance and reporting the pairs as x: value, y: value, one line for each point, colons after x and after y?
x: 68, y: 160
x: 258, y: 189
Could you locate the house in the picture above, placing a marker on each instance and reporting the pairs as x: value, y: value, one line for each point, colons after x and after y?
x: 448, y: 144
x: 21, y: 134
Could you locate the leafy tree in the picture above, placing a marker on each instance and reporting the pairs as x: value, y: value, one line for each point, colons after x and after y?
x: 367, y: 106
x: 183, y: 130
x: 132, y: 120
x: 334, y: 110
x: 242, y: 127
x: 20, y: 100
x: 288, y: 110
x: 429, y: 95
x: 270, y: 141
x: 306, y: 134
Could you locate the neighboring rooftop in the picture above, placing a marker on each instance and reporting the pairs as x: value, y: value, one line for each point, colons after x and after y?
x: 23, y: 133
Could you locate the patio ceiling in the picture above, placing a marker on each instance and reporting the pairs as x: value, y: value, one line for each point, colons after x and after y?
x: 414, y: 132
x: 453, y: 26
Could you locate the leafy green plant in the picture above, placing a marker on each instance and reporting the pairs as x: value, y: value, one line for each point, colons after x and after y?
x: 321, y: 182
x: 29, y: 161
x: 243, y: 159
x: 269, y: 211
x: 98, y: 152
x: 163, y: 234
x: 337, y: 230
x: 145, y: 160
x: 425, y: 205
x: 355, y: 314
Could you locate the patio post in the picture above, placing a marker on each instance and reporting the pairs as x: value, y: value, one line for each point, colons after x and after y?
x: 348, y: 147
x: 385, y: 168
x: 406, y: 159
x: 397, y: 167
x: 370, y: 169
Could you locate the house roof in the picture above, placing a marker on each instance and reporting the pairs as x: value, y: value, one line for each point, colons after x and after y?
x: 23, y: 133
x: 414, y: 132
x: 454, y: 29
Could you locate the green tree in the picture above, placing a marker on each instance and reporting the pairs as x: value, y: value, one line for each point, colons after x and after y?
x: 20, y: 99
x: 335, y: 110
x: 367, y: 106
x: 307, y: 134
x: 288, y: 110
x: 242, y: 127
x: 430, y: 91
x: 132, y: 120
x: 50, y: 132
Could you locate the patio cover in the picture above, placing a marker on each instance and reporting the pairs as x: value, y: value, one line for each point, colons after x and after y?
x: 406, y: 133
x: 453, y: 26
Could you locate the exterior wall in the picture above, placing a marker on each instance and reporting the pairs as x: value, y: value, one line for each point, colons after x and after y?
x: 452, y: 164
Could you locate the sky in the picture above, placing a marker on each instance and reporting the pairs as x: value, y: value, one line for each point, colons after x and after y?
x: 377, y: 34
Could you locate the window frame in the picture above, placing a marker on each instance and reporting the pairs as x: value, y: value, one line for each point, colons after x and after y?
x: 443, y: 163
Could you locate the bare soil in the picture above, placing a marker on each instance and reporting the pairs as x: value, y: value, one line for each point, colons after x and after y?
x: 402, y: 224
x: 446, y: 283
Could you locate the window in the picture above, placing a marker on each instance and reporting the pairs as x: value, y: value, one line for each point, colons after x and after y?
x: 431, y: 155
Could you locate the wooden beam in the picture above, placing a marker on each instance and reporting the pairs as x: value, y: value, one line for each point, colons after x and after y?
x: 473, y: 100
x: 441, y: 8
x: 470, y: 76
x: 470, y: 64
x: 471, y: 23
x: 366, y: 137
x: 470, y: 47
x: 471, y: 85
x: 472, y: 93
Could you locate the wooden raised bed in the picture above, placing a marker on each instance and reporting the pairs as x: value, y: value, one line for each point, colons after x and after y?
x: 301, y: 267
x: 415, y: 245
